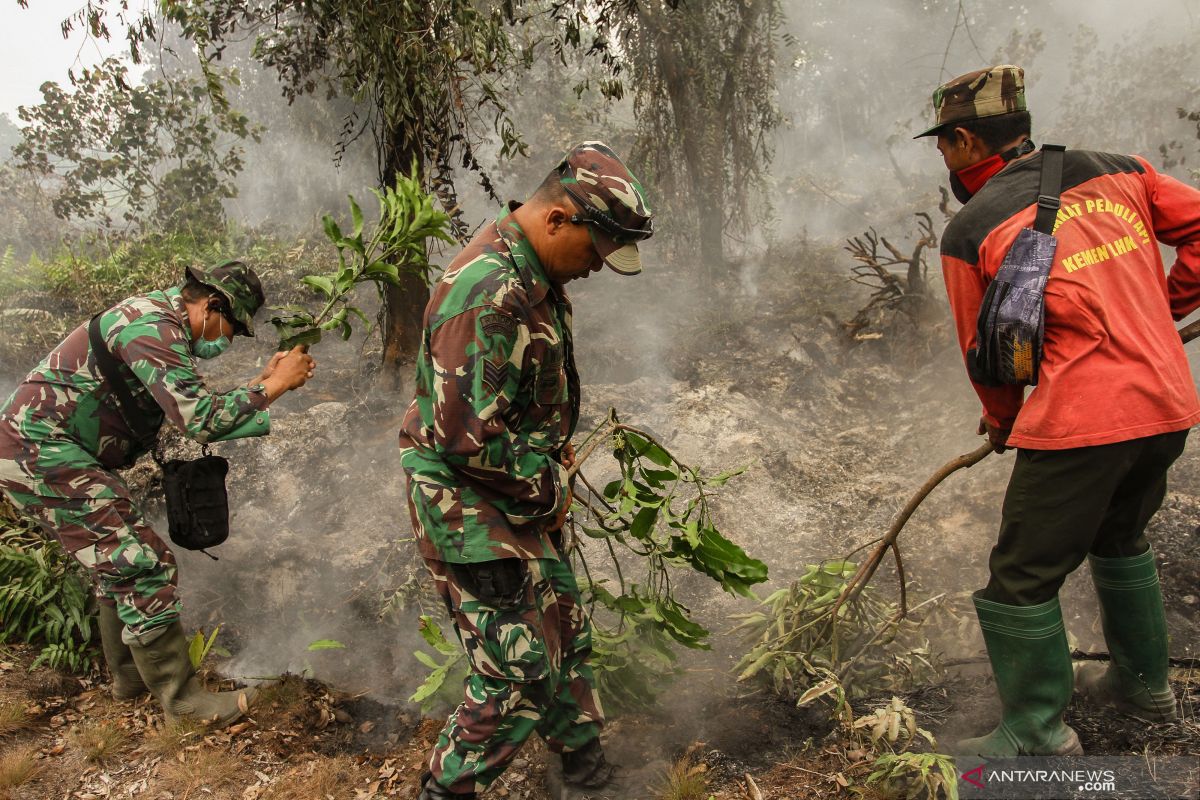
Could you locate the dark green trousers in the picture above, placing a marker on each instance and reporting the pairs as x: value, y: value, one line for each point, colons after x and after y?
x: 1062, y: 505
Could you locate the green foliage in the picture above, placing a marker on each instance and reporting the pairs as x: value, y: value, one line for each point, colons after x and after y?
x: 656, y: 512
x: 634, y: 661
x: 407, y: 219
x: 796, y: 648
x: 44, y: 596
x: 442, y: 683
x: 889, y: 732
x: 325, y: 644
x: 199, y: 647
x: 915, y: 775
x: 659, y: 509
x: 155, y: 153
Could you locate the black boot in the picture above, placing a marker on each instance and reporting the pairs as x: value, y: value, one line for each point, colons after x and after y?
x: 587, y: 768
x: 584, y: 774
x: 432, y: 790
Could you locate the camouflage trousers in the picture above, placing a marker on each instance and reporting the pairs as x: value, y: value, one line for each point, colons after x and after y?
x: 529, y: 673
x: 90, y: 511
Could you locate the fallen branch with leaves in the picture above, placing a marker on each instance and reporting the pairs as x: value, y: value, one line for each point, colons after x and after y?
x: 656, y: 518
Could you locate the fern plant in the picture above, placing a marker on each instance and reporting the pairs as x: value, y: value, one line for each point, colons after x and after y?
x: 44, y: 596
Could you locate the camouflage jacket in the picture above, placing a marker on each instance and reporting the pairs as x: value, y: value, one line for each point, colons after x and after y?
x: 65, y: 398
x: 497, y: 398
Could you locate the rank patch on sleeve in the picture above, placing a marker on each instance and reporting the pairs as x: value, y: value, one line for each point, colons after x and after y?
x: 497, y: 324
x: 494, y: 376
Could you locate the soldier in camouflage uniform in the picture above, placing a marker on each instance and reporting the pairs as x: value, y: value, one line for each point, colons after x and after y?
x: 63, y: 432
x: 485, y: 448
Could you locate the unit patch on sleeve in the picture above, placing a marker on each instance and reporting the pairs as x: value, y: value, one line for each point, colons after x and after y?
x: 498, y: 324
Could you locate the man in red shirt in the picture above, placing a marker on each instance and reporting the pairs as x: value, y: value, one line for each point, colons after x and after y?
x: 1113, y: 402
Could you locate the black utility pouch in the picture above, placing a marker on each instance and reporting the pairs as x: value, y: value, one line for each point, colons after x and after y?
x: 501, y: 583
x: 197, y: 503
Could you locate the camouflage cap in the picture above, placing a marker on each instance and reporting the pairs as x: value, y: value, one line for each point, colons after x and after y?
x: 982, y: 93
x: 238, y: 284
x: 612, y: 200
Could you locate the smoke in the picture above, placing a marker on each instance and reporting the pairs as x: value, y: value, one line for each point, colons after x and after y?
x: 857, y: 88
x: 743, y: 369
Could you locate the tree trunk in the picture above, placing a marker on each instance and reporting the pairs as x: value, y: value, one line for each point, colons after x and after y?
x: 403, y: 305
x: 696, y: 132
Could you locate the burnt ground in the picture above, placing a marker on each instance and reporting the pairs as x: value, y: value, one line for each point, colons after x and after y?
x: 754, y: 371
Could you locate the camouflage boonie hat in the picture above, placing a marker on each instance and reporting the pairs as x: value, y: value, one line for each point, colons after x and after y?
x: 982, y: 93
x: 612, y: 200
x: 238, y: 284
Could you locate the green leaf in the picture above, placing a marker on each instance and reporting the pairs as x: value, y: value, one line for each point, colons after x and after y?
x: 722, y: 478
x: 357, y: 216
x: 659, y: 477
x: 321, y: 283
x: 332, y: 231
x: 645, y: 448
x: 643, y: 522
x: 196, y: 650
x: 382, y: 271
x: 325, y: 644
x: 431, y: 632
x: 306, y: 337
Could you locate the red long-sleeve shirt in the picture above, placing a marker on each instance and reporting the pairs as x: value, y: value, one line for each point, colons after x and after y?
x: 1113, y: 366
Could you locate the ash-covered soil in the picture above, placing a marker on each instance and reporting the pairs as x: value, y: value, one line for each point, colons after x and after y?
x: 754, y: 371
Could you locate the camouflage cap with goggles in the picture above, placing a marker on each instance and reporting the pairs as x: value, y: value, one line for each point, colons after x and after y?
x: 240, y: 287
x: 611, y: 202
x: 983, y: 93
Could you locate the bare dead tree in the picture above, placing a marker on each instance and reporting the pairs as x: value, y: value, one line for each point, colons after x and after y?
x: 904, y: 291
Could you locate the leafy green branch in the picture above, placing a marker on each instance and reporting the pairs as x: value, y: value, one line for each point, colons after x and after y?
x: 657, y: 512
x: 797, y: 653
x: 657, y: 517
x: 407, y: 219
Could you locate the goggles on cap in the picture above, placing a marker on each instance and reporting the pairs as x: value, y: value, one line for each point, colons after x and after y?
x: 606, y: 223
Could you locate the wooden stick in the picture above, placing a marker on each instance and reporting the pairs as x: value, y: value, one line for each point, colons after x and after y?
x: 1189, y: 332
x: 867, y: 569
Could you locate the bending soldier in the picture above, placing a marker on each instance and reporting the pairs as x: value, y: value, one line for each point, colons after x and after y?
x: 62, y: 433
x: 1110, y: 412
x: 485, y: 448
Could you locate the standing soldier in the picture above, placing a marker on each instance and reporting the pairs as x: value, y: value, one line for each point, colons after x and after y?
x: 63, y: 432
x: 1113, y: 402
x: 486, y: 450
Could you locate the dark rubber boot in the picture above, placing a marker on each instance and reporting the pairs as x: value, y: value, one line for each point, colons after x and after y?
x: 585, y: 775
x: 165, y: 667
x: 127, y: 683
x: 587, y: 767
x: 1135, y: 629
x: 432, y: 790
x: 1027, y: 646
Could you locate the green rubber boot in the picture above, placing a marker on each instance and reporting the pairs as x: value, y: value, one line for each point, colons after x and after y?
x: 167, y: 670
x: 1135, y: 628
x: 127, y: 683
x: 1027, y: 646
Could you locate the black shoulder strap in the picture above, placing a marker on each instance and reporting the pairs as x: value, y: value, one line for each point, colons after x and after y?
x: 107, y: 364
x: 1050, y: 189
